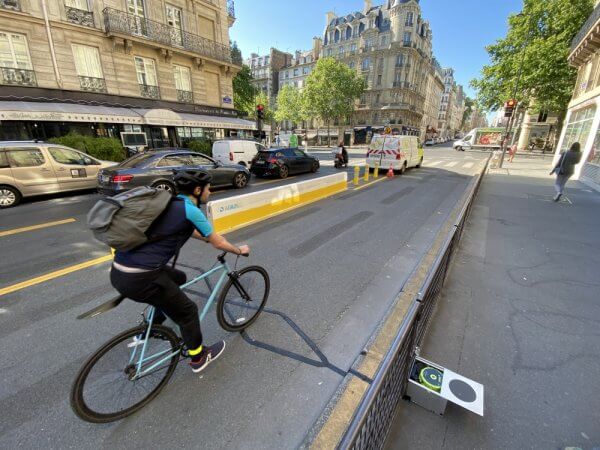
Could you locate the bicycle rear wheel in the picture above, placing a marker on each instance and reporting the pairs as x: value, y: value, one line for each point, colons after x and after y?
x: 243, y: 298
x: 106, y: 388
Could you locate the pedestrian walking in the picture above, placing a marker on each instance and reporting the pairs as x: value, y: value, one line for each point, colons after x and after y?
x: 565, y: 168
x: 512, y: 152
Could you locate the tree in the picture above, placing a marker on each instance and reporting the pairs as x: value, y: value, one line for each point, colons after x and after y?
x: 331, y: 90
x: 535, y: 50
x: 236, y: 54
x: 261, y: 98
x: 244, y: 92
x: 289, y: 105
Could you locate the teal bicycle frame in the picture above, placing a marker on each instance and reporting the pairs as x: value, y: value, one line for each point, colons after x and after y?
x: 224, y: 268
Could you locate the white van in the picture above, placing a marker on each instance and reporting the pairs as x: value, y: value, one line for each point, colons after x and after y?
x: 399, y: 152
x: 236, y: 151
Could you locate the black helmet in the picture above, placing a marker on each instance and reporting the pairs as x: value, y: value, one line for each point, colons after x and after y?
x: 188, y: 180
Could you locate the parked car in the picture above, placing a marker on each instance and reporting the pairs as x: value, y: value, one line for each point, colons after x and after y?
x: 30, y: 168
x: 155, y: 168
x: 283, y: 162
x: 397, y: 152
x: 236, y: 151
x: 429, y: 142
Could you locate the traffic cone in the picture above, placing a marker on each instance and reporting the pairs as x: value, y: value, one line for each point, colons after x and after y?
x: 390, y: 173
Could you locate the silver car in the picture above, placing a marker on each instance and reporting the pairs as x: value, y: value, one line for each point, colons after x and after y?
x: 29, y: 168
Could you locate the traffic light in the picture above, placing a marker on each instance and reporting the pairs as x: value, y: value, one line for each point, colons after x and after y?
x: 509, y: 108
x: 260, y: 112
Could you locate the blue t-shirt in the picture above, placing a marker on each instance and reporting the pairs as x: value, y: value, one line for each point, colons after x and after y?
x: 169, y: 232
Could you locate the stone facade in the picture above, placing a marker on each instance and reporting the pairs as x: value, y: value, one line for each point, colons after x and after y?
x: 433, y: 102
x: 452, y: 106
x: 390, y: 45
x: 265, y: 71
x: 191, y: 34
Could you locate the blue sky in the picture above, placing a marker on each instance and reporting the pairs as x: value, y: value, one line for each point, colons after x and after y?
x: 461, y: 28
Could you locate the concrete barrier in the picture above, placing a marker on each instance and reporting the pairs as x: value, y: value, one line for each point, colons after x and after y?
x: 237, y: 212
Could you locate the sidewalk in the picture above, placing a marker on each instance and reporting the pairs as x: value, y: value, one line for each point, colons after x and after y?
x: 520, y: 313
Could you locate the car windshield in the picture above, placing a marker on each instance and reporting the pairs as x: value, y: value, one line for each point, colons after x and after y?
x: 137, y: 161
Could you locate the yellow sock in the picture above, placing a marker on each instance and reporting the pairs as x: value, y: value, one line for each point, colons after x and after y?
x: 195, y: 352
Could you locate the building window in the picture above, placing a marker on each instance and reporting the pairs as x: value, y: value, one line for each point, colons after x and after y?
x: 349, y: 32
x: 183, y: 84
x: 407, y: 38
x: 89, y: 68
x: 579, y: 127
x: 400, y: 60
x: 329, y: 51
x: 15, y: 61
x: 146, y: 75
x: 287, y: 74
x: 175, y: 21
x: 341, y: 50
x: 296, y: 72
x: 352, y: 65
x: 366, y: 64
x: 78, y: 4
x: 305, y: 70
x: 409, y: 19
x: 379, y: 80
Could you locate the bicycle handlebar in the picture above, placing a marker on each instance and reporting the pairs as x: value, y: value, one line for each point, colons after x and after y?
x: 222, y: 256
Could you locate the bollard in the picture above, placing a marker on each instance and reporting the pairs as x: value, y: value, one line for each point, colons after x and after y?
x: 356, y: 175
x: 376, y: 171
x: 366, y: 172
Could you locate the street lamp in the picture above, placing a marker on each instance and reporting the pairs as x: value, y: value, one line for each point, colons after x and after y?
x: 511, y: 120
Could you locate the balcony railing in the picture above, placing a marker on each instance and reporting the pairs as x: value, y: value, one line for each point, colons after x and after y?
x: 18, y: 77
x: 185, y: 96
x: 231, y: 8
x: 13, y: 5
x: 92, y: 84
x: 80, y: 16
x: 123, y: 23
x: 150, y: 91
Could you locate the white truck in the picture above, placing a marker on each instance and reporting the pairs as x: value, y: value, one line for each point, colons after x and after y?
x: 480, y: 139
x: 397, y: 152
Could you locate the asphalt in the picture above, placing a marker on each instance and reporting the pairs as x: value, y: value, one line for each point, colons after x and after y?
x: 333, y: 265
x: 519, y: 314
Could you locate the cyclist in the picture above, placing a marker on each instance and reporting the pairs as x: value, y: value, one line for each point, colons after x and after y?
x: 143, y: 274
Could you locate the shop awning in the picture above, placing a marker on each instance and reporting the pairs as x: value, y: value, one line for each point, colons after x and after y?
x: 72, y: 112
x: 66, y: 112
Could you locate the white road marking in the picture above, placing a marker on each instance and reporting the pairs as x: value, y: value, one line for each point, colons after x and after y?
x: 468, y: 165
x: 433, y: 164
x: 452, y: 164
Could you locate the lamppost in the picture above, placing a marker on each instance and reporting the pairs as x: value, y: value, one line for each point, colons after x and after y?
x: 511, y: 120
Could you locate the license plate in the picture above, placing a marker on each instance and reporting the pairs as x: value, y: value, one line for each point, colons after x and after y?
x: 104, y: 179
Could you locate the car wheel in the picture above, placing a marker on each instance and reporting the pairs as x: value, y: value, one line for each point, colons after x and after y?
x: 315, y: 167
x: 165, y: 186
x: 458, y: 148
x: 418, y: 166
x: 240, y: 180
x: 9, y: 197
x: 284, y: 172
x: 402, y: 169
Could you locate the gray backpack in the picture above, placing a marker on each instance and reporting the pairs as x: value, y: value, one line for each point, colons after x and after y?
x: 123, y: 220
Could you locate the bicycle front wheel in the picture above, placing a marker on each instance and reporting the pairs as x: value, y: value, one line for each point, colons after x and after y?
x: 108, y: 387
x: 243, y: 298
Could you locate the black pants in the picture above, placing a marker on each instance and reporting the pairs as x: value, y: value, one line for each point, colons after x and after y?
x: 160, y: 288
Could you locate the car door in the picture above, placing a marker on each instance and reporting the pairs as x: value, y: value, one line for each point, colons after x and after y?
x: 221, y: 175
x: 304, y: 161
x: 169, y: 163
x: 32, y: 170
x: 74, y: 170
x: 291, y: 160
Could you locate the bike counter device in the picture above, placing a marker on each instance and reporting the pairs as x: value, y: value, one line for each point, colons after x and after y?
x: 432, y: 387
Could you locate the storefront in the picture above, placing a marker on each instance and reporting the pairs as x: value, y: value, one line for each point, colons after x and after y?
x: 583, y: 126
x: 163, y: 128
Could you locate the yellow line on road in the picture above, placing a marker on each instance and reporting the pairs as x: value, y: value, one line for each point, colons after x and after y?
x: 369, y: 184
x: 272, y: 181
x: 56, y: 274
x: 36, y: 227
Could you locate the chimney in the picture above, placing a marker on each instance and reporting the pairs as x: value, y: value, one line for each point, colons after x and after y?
x: 368, y: 6
x: 317, y: 47
x: 330, y: 16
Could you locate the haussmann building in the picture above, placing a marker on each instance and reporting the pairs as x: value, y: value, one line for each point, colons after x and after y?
x: 105, y: 67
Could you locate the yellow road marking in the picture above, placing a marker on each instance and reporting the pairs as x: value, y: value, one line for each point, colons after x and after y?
x: 369, y: 184
x: 56, y: 274
x: 36, y: 227
x: 272, y: 181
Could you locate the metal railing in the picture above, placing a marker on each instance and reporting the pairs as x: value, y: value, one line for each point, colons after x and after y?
x: 117, y: 21
x: 92, y: 84
x: 586, y: 28
x: 371, y: 422
x: 231, y: 8
x: 79, y: 16
x: 149, y: 91
x: 13, y: 5
x: 185, y: 96
x: 18, y: 77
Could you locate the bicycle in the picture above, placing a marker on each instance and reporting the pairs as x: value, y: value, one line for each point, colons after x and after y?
x: 149, y: 353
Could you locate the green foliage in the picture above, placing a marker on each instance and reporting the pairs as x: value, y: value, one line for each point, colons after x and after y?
x: 262, y: 99
x: 236, y: 54
x: 331, y: 90
x: 536, y: 47
x: 106, y: 149
x: 203, y: 146
x: 289, y: 105
x: 243, y: 91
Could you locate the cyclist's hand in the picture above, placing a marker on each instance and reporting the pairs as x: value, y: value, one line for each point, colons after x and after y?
x: 245, y: 250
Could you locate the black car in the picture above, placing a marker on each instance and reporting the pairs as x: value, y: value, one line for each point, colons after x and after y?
x: 155, y: 168
x: 282, y: 162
